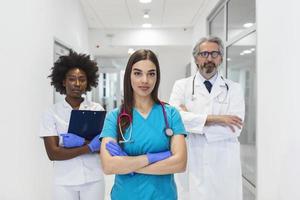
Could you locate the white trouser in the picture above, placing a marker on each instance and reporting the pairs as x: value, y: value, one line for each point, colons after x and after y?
x: 88, y: 191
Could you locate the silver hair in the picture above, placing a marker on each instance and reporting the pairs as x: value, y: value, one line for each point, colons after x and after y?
x: 214, y: 39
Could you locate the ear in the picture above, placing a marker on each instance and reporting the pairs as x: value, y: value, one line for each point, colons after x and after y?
x: 196, y: 62
x: 64, y: 83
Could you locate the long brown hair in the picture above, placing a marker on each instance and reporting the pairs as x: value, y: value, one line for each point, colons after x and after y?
x: 127, y: 106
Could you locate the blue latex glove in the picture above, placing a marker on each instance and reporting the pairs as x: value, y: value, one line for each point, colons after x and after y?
x: 71, y: 140
x: 95, y: 144
x: 114, y: 149
x: 155, y: 157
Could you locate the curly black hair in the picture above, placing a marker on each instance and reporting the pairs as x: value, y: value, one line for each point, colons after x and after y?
x: 74, y: 60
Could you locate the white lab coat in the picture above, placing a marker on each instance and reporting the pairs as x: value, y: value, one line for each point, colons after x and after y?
x: 214, y: 168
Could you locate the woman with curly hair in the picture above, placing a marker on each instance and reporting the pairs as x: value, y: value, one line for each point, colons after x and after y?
x: 77, y: 168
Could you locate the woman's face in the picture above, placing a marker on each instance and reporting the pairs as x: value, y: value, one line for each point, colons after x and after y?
x: 143, y: 78
x: 75, y: 83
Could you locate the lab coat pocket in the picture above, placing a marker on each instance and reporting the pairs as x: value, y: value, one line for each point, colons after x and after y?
x: 220, y: 105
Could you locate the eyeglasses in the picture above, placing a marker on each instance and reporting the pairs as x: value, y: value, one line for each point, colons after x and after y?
x: 213, y: 54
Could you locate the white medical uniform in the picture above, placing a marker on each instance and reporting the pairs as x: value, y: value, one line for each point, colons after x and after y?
x: 80, y: 177
x: 214, y: 168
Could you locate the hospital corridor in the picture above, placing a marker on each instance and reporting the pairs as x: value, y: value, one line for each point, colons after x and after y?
x: 249, y: 47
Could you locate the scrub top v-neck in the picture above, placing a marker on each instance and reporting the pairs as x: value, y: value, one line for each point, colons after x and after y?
x: 148, y: 136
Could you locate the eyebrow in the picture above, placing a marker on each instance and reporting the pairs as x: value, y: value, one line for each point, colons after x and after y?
x: 72, y: 75
x: 136, y: 69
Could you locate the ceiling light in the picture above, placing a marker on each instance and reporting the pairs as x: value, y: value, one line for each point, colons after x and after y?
x: 147, y: 25
x: 145, y: 1
x: 248, y: 25
x: 146, y: 15
x: 228, y: 59
x: 245, y: 52
x: 253, y: 49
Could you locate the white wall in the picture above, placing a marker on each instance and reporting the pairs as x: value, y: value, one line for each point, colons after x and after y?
x: 70, y: 24
x: 27, y: 31
x: 278, y: 134
x: 141, y: 37
x: 121, y: 39
x: 172, y: 61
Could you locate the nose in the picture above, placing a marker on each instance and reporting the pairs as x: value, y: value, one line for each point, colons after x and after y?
x: 209, y: 58
x: 145, y: 78
x: 77, y: 83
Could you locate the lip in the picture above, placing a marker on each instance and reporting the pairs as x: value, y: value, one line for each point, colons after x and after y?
x: 76, y: 91
x: 144, y: 88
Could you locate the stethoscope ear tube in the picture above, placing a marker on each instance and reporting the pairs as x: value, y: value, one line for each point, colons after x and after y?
x: 168, y: 130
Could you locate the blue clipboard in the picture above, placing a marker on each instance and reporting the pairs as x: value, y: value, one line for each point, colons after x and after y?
x: 86, y: 123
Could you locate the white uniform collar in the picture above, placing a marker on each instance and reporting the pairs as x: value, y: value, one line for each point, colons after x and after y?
x: 83, y: 105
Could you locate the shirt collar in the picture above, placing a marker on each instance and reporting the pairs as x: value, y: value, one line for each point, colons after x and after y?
x: 201, y: 79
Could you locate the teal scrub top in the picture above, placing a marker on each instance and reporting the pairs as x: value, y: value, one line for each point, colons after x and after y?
x: 148, y: 136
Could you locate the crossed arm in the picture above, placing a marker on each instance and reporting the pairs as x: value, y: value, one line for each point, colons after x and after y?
x: 174, y: 164
x: 229, y: 123
x: 232, y: 121
x: 56, y: 152
x: 140, y: 164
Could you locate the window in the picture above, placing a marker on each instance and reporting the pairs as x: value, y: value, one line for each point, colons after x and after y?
x: 241, y: 59
x: 241, y: 15
x: 217, y: 24
x: 238, y: 32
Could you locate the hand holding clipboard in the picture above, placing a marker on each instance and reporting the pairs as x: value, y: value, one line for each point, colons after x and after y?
x: 86, y: 123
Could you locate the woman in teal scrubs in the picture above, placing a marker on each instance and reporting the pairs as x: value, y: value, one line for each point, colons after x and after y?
x: 135, y: 145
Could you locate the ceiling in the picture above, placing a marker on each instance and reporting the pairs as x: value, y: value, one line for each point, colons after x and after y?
x: 110, y: 14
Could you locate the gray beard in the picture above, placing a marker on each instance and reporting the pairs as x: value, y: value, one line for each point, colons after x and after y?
x: 208, y: 68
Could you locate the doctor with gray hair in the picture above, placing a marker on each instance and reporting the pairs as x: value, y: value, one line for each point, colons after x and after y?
x: 212, y: 108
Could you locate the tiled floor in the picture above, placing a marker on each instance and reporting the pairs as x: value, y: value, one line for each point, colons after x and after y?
x: 248, y: 159
x: 248, y: 194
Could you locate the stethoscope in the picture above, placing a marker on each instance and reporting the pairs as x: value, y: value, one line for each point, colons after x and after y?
x: 193, y: 90
x: 168, y: 131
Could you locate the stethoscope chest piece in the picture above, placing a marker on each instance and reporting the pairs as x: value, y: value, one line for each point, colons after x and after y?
x: 169, y: 132
x: 194, y: 97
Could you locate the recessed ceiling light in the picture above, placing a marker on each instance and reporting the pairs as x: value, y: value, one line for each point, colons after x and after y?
x: 228, y: 59
x: 146, y: 15
x: 147, y: 25
x: 248, y: 25
x: 145, y: 1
